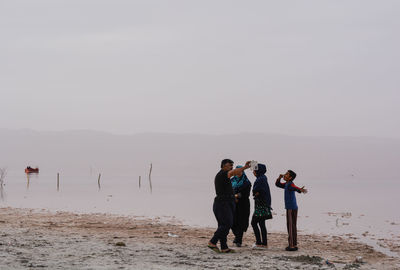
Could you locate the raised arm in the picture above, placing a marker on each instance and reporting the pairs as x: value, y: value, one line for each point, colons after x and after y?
x: 297, y: 189
x: 278, y: 182
x: 238, y: 171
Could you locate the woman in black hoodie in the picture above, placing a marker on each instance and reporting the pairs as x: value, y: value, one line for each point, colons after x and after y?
x: 262, y: 206
x: 241, y: 187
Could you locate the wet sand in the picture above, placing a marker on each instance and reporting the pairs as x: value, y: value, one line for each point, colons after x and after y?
x: 61, y: 240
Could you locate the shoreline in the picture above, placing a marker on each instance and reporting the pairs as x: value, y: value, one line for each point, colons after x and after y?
x: 59, y: 240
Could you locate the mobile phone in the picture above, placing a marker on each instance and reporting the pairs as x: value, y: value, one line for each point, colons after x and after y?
x: 254, y: 165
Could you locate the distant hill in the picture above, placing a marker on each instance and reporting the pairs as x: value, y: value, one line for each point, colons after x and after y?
x: 198, y: 155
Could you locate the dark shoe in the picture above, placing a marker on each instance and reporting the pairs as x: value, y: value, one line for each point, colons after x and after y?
x: 259, y: 246
x: 238, y: 244
x: 228, y: 250
x: 291, y: 249
x: 213, y: 247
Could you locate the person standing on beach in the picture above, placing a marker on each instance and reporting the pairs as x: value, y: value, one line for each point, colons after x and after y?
x: 241, y: 187
x: 262, y: 206
x: 290, y: 206
x: 224, y: 204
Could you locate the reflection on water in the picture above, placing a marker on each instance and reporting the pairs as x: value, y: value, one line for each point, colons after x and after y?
x: 98, y: 181
x: 2, y: 195
x: 27, y: 181
x: 337, y: 207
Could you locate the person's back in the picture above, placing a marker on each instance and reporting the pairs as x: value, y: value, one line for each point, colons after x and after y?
x: 223, y: 187
x: 261, y: 185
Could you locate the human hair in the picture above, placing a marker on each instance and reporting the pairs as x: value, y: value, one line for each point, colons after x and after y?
x: 225, y: 161
x: 292, y: 174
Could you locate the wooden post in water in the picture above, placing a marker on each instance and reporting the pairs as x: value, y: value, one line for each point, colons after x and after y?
x: 151, y: 187
x: 98, y: 181
x: 27, y: 183
x: 58, y: 181
x: 140, y: 181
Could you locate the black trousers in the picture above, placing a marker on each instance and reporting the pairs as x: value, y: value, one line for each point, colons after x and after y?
x: 238, y: 235
x: 257, y: 222
x: 241, y: 219
x: 223, y: 211
x: 291, y: 222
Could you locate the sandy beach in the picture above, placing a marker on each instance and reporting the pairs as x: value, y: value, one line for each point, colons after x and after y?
x: 62, y: 240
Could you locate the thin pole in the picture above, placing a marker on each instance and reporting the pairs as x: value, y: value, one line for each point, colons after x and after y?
x: 98, y: 181
x: 151, y: 187
x: 58, y: 181
x: 140, y: 181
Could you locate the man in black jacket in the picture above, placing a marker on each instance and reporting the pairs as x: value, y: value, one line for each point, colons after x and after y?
x: 224, y: 204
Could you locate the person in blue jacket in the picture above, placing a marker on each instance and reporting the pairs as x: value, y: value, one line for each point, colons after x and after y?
x: 262, y: 206
x: 290, y: 206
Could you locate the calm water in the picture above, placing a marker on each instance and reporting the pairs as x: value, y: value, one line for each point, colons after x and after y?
x: 336, y: 206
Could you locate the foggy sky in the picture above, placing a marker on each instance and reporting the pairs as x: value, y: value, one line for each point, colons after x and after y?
x: 289, y: 67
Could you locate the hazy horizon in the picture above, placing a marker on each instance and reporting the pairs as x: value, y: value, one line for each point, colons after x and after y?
x: 194, y: 133
x: 198, y: 155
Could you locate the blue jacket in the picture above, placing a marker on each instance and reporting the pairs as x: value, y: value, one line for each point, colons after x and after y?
x: 290, y: 196
x: 261, y: 185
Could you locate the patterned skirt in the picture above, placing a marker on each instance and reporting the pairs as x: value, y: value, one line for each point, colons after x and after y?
x: 261, y: 210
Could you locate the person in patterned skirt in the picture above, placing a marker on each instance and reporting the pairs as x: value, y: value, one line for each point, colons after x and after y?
x: 262, y: 206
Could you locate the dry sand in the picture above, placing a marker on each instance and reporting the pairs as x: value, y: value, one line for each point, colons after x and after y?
x: 40, y: 239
